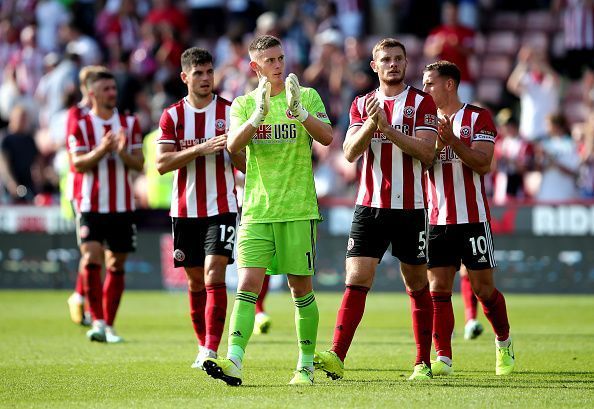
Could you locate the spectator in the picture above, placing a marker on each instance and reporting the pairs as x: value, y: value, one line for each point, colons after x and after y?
x: 21, y: 157
x: 586, y: 151
x: 537, y: 85
x: 207, y: 17
x: 78, y: 43
x: 28, y: 62
x: 164, y: 11
x: 455, y: 43
x: 119, y: 31
x: 50, y: 15
x: 557, y: 158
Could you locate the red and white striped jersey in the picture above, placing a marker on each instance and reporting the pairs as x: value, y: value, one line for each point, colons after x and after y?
x: 73, y: 179
x: 107, y: 188
x: 456, y: 192
x: 204, y: 187
x: 390, y: 178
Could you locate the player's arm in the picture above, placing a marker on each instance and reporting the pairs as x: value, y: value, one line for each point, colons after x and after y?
x: 477, y: 156
x: 240, y: 137
x: 420, y: 146
x: 169, y: 158
x: 84, y: 161
x: 319, y: 131
x: 238, y: 160
x: 360, y: 132
x: 133, y: 159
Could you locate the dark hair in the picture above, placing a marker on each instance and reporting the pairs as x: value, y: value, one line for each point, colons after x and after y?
x: 445, y: 69
x: 559, y: 120
x: 195, y: 56
x: 263, y: 43
x: 387, y: 43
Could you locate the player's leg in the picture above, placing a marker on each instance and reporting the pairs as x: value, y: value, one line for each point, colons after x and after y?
x: 113, y: 289
x: 409, y: 245
x: 120, y: 238
x: 255, y: 252
x: 218, y: 246
x: 443, y: 262
x: 366, y: 245
x: 472, y: 328
x: 480, y: 261
x: 76, y: 301
x: 90, y: 237
x: 263, y: 321
x: 295, y: 255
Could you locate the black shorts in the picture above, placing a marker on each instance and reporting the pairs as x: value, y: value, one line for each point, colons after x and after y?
x: 194, y: 238
x: 469, y: 243
x: 374, y: 229
x: 116, y: 231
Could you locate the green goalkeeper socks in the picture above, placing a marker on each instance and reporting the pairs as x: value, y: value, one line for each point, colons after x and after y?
x: 306, y: 322
x: 241, y: 324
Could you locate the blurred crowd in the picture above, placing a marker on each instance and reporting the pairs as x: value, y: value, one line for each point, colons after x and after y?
x: 540, y: 89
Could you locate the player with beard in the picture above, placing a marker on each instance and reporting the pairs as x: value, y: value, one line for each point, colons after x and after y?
x: 203, y: 202
x: 459, y: 228
x: 105, y: 147
x: 394, y: 128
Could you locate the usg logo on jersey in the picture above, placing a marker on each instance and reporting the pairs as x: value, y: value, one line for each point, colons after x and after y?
x: 408, y: 111
x: 220, y: 124
x: 465, y: 132
x: 179, y: 255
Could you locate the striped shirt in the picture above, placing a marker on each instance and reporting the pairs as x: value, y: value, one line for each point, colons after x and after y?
x: 73, y: 179
x: 456, y: 192
x: 204, y: 187
x: 106, y: 188
x: 390, y: 178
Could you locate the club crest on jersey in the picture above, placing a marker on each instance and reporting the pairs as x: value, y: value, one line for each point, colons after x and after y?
x: 321, y: 115
x: 72, y: 141
x: 220, y: 124
x: 179, y: 255
x: 289, y: 114
x: 84, y: 232
x: 408, y: 111
x: 465, y: 132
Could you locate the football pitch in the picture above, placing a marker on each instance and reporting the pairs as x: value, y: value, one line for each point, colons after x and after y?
x: 46, y: 361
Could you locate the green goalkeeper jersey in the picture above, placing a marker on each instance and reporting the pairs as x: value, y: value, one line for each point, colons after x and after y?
x: 279, y: 183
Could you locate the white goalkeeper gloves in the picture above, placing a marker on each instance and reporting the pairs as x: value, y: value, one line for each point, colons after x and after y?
x: 262, y: 102
x: 294, y: 98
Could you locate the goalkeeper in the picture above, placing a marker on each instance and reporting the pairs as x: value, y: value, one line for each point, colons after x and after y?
x: 275, y: 124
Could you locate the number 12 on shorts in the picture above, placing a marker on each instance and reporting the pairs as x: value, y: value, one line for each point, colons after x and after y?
x: 227, y: 229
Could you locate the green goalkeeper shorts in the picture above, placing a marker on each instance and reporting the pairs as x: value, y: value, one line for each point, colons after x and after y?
x: 281, y: 248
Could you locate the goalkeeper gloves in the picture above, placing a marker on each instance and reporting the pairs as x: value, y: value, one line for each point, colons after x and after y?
x: 262, y: 102
x: 294, y: 98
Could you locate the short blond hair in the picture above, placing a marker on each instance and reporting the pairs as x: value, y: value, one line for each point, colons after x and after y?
x: 86, y: 72
x: 387, y: 43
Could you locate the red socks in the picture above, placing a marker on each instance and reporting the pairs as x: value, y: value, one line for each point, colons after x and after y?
x: 443, y: 323
x: 349, y: 316
x: 496, y: 312
x: 79, y: 287
x: 93, y: 289
x: 214, y: 314
x: 421, y: 307
x: 263, y: 292
x: 197, y: 308
x: 113, y: 288
x: 468, y: 298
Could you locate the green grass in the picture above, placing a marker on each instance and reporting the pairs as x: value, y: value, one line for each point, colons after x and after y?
x: 47, y: 362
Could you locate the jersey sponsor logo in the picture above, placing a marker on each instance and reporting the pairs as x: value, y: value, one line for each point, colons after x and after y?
x: 430, y: 120
x: 408, y: 111
x: 350, y: 244
x: 277, y: 133
x: 447, y: 154
x: 179, y: 255
x: 188, y: 143
x: 321, y: 115
x: 220, y: 124
x: 483, y: 137
x: 465, y: 132
x: 380, y: 137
